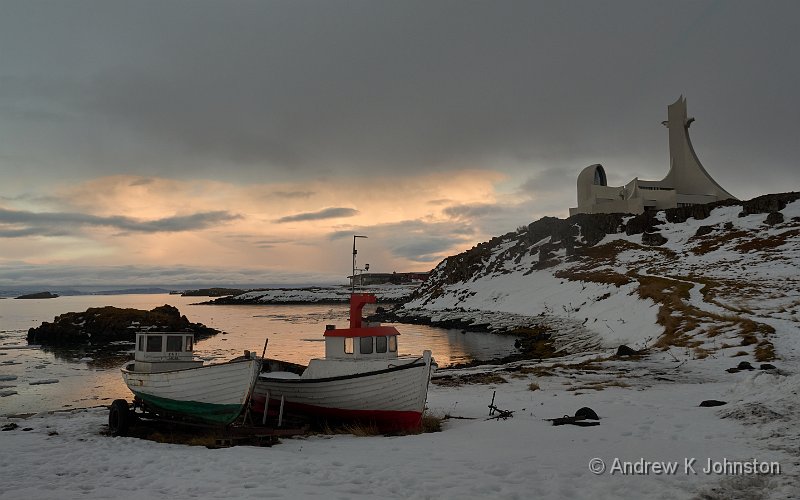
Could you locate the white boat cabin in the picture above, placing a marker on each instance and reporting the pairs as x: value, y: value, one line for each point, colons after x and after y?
x: 164, y: 351
x: 362, y: 341
x: 374, y: 342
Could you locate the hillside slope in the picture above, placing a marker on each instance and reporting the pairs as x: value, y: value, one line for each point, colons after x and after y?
x: 706, y: 278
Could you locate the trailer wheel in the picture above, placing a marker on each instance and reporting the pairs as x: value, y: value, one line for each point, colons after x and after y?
x: 119, y: 417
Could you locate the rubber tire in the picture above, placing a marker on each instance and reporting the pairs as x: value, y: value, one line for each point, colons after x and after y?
x: 119, y: 417
x: 587, y: 413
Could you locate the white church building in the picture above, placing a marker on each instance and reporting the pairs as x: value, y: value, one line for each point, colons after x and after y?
x: 687, y: 182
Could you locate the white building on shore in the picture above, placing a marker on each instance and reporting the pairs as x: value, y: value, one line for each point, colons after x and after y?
x: 687, y: 182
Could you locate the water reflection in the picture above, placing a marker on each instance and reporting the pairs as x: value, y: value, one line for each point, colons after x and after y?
x: 89, y: 375
x: 96, y: 357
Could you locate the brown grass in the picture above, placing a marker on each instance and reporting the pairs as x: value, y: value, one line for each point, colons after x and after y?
x: 431, y: 423
x: 474, y: 378
x: 598, y: 385
x: 755, y: 244
x: 765, y: 351
x: 361, y: 429
x: 533, y: 386
x: 710, y: 243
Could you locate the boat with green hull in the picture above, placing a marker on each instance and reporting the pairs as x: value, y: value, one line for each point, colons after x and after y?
x: 165, y: 377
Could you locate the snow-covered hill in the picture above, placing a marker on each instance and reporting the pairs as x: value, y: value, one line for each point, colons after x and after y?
x: 704, y: 278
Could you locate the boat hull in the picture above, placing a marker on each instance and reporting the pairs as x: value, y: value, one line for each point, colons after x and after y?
x: 392, y: 398
x: 213, y: 394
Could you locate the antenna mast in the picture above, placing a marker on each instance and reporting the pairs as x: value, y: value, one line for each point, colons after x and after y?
x: 355, y: 252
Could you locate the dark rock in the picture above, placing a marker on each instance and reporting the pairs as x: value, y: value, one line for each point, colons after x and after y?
x: 624, y: 350
x: 703, y: 230
x: 744, y: 365
x: 9, y: 427
x: 653, y: 239
x: 708, y: 403
x: 774, y: 218
x: 107, y: 324
x: 697, y: 212
x: 769, y: 203
x: 642, y: 223
x: 586, y: 413
x: 767, y: 366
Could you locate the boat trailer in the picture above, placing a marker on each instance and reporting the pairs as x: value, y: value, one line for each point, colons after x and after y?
x: 137, y: 419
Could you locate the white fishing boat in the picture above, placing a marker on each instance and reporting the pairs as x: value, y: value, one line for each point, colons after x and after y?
x: 166, y: 379
x: 361, y: 378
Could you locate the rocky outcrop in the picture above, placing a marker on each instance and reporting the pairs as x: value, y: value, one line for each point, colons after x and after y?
x: 108, y: 324
x: 774, y: 218
x: 768, y: 203
x: 550, y: 239
x: 653, y: 239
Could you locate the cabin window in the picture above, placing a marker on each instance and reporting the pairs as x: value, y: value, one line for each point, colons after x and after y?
x: 154, y: 343
x: 380, y: 344
x: 189, y: 344
x: 393, y: 343
x: 366, y: 345
x: 141, y: 343
x: 174, y: 343
x: 348, y: 345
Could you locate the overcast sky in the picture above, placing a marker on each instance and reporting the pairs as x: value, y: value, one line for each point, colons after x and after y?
x: 236, y: 140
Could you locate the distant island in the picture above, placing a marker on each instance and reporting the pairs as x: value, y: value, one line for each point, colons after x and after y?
x: 212, y: 292
x: 39, y: 295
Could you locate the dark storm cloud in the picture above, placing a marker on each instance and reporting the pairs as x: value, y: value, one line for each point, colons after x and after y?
x: 292, y: 89
x: 23, y: 223
x: 327, y: 213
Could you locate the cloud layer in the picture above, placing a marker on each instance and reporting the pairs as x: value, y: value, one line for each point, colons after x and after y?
x: 325, y: 213
x: 20, y: 223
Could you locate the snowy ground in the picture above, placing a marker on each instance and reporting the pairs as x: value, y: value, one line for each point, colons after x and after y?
x: 655, y: 418
x: 648, y: 406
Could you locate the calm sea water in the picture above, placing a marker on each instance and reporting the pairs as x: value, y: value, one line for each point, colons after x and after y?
x: 90, y: 376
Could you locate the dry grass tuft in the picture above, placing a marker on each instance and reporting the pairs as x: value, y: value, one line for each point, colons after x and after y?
x: 360, y: 429
x: 533, y: 386
x: 431, y: 423
x: 710, y: 243
x: 474, y: 378
x: 700, y: 353
x: 598, y: 385
x: 765, y: 351
x: 756, y: 244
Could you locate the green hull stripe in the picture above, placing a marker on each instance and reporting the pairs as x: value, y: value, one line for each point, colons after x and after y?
x: 206, y: 412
